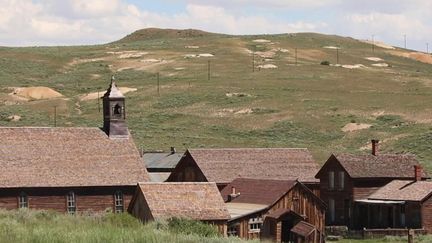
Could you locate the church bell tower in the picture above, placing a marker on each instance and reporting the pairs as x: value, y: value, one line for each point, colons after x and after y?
x: 114, y: 112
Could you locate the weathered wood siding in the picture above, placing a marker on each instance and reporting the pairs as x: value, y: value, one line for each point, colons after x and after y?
x: 427, y: 215
x: 187, y: 171
x: 340, y: 196
x: 303, y: 203
x: 88, y: 199
x: 299, y: 200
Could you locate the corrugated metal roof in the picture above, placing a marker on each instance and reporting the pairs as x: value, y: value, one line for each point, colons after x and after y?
x: 161, y: 160
x: 238, y: 210
x: 159, y: 176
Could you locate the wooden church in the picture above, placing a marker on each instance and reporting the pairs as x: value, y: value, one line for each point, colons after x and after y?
x: 72, y: 169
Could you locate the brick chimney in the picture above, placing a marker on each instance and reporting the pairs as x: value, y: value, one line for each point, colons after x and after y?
x: 375, y: 146
x: 233, y: 194
x: 418, y: 171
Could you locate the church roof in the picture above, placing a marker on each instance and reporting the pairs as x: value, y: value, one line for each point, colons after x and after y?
x: 113, y: 91
x: 67, y: 157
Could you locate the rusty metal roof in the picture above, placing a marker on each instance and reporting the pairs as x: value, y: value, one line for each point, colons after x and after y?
x: 257, y: 191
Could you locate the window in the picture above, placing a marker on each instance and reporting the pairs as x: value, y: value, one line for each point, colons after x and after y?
x: 255, y: 224
x: 118, y: 202
x: 71, y: 203
x: 341, y: 180
x: 233, y: 230
x: 331, y: 180
x: 23, y: 201
x: 331, y: 205
x: 117, y: 110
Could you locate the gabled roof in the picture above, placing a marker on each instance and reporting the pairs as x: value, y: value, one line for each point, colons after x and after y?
x: 256, y: 191
x: 193, y: 200
x: 303, y: 228
x: 67, y: 157
x: 161, y: 161
x: 402, y: 190
x: 225, y: 165
x: 378, y: 166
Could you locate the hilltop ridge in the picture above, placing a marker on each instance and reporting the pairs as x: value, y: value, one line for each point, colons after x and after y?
x: 157, y: 33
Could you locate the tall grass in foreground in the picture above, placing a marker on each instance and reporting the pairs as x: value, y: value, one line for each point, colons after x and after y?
x: 44, y: 226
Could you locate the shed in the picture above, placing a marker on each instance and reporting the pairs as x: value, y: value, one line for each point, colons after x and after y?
x: 192, y: 200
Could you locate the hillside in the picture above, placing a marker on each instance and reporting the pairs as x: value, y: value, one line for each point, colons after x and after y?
x: 383, y: 93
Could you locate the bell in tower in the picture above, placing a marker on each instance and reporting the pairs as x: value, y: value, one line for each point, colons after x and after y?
x: 114, y: 112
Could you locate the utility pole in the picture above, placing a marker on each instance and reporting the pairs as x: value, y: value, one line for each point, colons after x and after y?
x: 405, y: 41
x: 373, y: 43
x: 337, y: 55
x: 427, y: 48
x: 295, y: 56
x: 55, y: 116
x: 208, y: 70
x: 98, y: 102
x: 253, y: 61
x: 158, y: 84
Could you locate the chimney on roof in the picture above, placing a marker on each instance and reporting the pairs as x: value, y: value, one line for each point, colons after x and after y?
x: 173, y: 150
x: 233, y: 194
x: 375, y: 146
x: 418, y: 171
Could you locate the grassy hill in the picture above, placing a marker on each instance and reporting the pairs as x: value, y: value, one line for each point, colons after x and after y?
x: 298, y: 104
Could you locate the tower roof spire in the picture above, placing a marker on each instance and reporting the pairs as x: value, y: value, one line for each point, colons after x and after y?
x: 113, y: 91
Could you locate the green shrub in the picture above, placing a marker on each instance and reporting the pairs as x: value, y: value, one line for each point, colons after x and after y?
x: 327, y: 63
x: 188, y: 227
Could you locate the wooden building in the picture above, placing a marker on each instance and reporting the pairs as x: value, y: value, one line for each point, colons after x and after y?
x: 400, y: 204
x: 71, y: 169
x: 276, y: 210
x: 224, y: 165
x: 347, y: 178
x: 191, y: 200
x: 160, y: 164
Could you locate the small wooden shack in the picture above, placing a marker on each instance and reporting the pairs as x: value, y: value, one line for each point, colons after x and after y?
x: 276, y: 210
x: 224, y: 165
x: 192, y: 200
x: 347, y: 178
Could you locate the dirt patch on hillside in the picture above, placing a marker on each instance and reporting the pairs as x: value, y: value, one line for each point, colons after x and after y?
x: 95, y: 95
x: 374, y: 59
x: 312, y: 54
x: 267, y: 66
x: 261, y: 41
x: 77, y: 61
x: 418, y: 56
x: 351, y: 127
x: 378, y: 44
x: 35, y: 93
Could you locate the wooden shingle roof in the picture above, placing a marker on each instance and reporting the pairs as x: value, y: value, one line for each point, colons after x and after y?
x: 303, y: 228
x: 379, y: 166
x: 255, y: 191
x: 193, y: 200
x: 225, y: 165
x: 66, y: 157
x: 402, y: 190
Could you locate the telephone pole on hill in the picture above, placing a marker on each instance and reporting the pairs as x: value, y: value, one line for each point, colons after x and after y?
x: 405, y: 41
x: 373, y: 43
